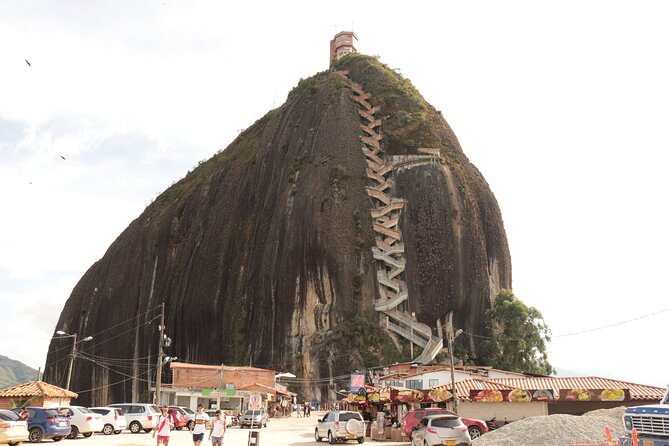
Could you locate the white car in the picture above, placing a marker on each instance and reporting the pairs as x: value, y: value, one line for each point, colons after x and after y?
x: 340, y: 425
x: 82, y: 421
x: 448, y: 430
x: 113, y: 419
x: 13, y: 430
x: 139, y: 416
x: 212, y: 417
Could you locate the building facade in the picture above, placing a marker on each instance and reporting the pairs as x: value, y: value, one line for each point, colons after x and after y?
x: 221, y: 387
x: 35, y: 393
x: 342, y: 44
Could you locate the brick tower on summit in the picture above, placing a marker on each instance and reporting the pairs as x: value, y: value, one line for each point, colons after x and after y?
x: 342, y: 44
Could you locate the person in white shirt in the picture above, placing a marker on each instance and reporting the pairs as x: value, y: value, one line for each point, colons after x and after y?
x: 199, y: 427
x: 218, y: 430
x: 165, y: 426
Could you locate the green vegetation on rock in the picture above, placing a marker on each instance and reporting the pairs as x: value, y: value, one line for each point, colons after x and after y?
x: 358, y: 335
x: 409, y: 121
x: 518, y: 336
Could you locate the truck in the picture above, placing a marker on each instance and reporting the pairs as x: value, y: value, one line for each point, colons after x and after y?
x: 650, y: 422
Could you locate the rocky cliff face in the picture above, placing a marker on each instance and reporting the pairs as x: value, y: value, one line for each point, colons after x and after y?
x: 262, y: 254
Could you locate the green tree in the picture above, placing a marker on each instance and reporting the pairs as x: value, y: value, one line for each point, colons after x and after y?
x: 517, y: 336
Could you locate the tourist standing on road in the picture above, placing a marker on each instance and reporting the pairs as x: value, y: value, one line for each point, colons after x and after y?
x: 199, y: 426
x: 165, y: 425
x: 218, y: 430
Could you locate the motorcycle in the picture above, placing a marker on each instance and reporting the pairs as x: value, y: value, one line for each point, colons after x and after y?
x: 492, y: 424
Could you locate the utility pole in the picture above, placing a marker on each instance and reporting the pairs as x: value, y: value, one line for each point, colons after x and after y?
x: 69, y: 368
x: 451, y: 337
x: 159, y: 368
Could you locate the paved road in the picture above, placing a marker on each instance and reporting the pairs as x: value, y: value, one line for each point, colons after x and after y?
x: 279, y: 432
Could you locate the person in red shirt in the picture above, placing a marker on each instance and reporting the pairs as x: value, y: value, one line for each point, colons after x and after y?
x: 165, y: 426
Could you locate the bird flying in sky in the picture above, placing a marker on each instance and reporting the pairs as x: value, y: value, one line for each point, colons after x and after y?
x: 27, y: 62
x: 62, y: 156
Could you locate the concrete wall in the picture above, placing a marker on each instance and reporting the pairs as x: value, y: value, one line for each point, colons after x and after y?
x: 502, y: 411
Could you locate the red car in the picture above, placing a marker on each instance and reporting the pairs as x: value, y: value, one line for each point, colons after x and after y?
x: 180, y: 420
x: 475, y: 427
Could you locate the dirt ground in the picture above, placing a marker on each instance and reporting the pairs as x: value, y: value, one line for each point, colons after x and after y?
x: 279, y: 432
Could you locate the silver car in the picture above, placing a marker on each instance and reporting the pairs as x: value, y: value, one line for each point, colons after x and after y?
x: 441, y: 430
x: 254, y: 418
x: 340, y: 425
x: 139, y: 416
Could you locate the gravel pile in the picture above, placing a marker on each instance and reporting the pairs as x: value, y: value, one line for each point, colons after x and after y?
x: 556, y: 430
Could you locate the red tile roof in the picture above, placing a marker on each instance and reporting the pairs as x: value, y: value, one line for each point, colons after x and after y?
x: 36, y: 388
x: 637, y: 392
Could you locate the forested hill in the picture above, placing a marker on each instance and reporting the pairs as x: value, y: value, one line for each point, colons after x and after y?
x: 14, y: 372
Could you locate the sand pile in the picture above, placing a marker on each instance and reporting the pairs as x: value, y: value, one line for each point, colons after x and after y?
x: 556, y: 430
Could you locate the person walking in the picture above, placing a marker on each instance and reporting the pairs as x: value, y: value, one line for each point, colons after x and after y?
x: 165, y: 426
x: 199, y: 426
x: 218, y: 429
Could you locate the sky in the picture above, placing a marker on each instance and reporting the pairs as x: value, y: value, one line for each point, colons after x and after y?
x: 563, y: 107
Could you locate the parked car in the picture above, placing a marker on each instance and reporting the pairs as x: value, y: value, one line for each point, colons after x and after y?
x: 139, y: 416
x: 179, y: 418
x: 13, y: 430
x: 82, y: 421
x: 340, y: 425
x: 113, y: 419
x: 212, y: 416
x: 256, y: 418
x: 189, y: 414
x: 446, y: 430
x: 475, y: 427
x: 46, y: 423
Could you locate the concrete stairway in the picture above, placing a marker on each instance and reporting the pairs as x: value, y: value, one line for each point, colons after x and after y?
x: 389, y: 250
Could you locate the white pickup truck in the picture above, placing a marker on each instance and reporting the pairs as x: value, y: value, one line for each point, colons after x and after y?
x: 650, y: 422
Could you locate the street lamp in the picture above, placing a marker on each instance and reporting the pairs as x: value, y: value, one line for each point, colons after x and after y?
x: 73, y: 353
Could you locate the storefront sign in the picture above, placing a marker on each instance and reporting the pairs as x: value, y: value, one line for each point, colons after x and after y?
x: 218, y: 392
x: 526, y: 396
x: 594, y: 395
x: 357, y: 381
x: 440, y: 395
x: 410, y: 396
x: 362, y: 394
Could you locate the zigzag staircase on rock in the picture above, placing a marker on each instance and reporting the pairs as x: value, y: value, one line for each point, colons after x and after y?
x: 389, y: 250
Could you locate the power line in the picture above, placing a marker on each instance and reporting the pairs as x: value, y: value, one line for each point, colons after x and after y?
x: 107, y: 329
x: 112, y: 384
x: 655, y: 313
x: 575, y: 333
x: 104, y: 341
